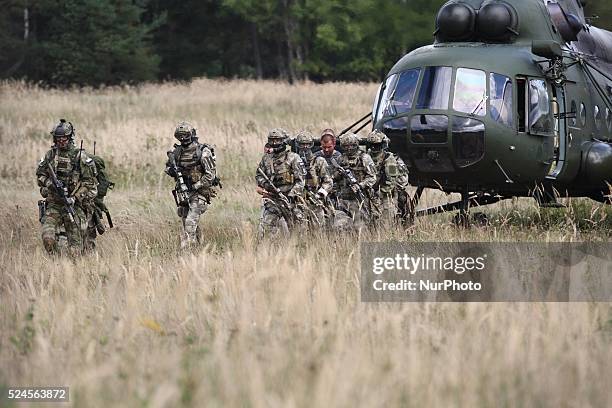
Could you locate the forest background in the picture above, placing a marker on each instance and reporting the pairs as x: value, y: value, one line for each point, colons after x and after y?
x: 109, y: 42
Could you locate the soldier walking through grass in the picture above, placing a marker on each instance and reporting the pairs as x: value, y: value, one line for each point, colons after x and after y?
x: 193, y: 166
x: 280, y: 181
x: 67, y: 179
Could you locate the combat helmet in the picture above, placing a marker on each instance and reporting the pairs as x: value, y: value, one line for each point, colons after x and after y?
x: 276, y: 137
x: 304, y: 139
x: 184, y: 132
x: 377, y: 140
x: 349, y: 143
x: 63, y: 129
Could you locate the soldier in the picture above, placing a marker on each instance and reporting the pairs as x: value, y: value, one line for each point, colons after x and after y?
x: 67, y: 180
x: 280, y: 181
x: 193, y: 166
x: 404, y: 201
x: 385, y: 192
x: 319, y: 182
x: 354, y: 175
x: 96, y: 226
x: 328, y: 146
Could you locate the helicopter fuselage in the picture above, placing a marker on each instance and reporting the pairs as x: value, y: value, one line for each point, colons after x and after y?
x: 490, y: 117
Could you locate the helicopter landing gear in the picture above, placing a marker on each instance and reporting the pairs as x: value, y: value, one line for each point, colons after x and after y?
x: 467, y: 201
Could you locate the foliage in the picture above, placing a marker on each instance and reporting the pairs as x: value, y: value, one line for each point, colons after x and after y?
x: 96, y: 42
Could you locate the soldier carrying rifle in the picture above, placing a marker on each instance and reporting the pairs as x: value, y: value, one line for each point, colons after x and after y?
x: 67, y: 180
x: 280, y: 181
x: 193, y: 166
x: 354, y: 176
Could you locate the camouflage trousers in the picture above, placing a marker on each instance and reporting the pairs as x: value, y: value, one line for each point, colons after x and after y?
x: 58, y: 232
x: 190, y: 217
x: 350, y: 214
x: 384, y: 206
x: 272, y: 224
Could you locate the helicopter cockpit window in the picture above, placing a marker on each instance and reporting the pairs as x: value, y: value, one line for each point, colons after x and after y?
x: 399, y: 93
x: 384, y: 104
x: 539, y: 107
x: 501, y: 99
x: 608, y: 120
x: 470, y: 92
x: 435, y: 88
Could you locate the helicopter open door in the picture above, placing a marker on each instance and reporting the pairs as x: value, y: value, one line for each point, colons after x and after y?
x: 560, y: 132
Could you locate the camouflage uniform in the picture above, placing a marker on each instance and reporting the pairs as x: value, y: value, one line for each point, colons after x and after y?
x: 404, y: 203
x: 319, y: 182
x: 196, y: 163
x: 286, y: 171
x: 335, y: 155
x: 385, y: 192
x: 77, y: 171
x: 351, y: 212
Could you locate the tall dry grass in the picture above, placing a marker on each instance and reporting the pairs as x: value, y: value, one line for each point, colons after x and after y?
x: 141, y: 324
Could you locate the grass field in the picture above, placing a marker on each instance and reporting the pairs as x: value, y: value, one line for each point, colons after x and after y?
x: 234, y: 324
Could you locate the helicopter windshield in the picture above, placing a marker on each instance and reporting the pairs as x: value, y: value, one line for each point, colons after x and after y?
x: 435, y: 88
x: 399, y: 93
x: 470, y: 92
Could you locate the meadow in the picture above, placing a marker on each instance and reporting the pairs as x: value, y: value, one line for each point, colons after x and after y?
x: 235, y: 323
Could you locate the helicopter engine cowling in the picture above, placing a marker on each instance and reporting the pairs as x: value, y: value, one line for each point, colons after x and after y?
x: 597, y: 168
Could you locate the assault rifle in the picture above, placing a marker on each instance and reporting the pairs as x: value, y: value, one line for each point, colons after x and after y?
x: 279, y: 198
x: 348, y: 175
x: 62, y: 191
x: 181, y: 191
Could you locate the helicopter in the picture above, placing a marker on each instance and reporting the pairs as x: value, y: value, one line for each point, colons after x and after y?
x: 512, y: 99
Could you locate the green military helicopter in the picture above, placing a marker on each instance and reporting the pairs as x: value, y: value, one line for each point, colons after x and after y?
x: 511, y: 99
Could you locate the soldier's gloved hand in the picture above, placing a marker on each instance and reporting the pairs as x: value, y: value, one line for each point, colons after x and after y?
x: 198, y: 185
x: 355, y: 188
x: 70, y: 200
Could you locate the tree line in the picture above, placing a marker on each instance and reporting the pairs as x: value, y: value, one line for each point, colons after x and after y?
x: 95, y: 42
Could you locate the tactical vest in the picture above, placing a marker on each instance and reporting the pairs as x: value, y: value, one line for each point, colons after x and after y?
x: 189, y: 158
x: 312, y: 180
x: 280, y: 172
x: 66, y: 166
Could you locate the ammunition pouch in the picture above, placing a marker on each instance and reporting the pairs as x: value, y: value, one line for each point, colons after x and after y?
x: 182, y: 211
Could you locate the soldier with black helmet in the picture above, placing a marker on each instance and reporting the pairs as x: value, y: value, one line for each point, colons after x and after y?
x: 67, y: 179
x: 193, y: 166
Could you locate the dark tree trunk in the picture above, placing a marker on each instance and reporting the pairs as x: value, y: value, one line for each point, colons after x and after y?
x: 256, y: 51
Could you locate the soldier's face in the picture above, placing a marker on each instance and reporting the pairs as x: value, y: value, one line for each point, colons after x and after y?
x: 62, y: 142
x: 328, y: 146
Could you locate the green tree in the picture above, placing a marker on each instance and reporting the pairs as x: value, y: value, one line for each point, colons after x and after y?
x: 86, y: 42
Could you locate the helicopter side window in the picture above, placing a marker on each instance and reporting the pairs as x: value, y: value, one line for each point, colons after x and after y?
x: 435, y: 88
x: 598, y: 119
x: 608, y: 120
x: 582, y: 114
x: 470, y: 92
x: 539, y: 107
x: 501, y: 99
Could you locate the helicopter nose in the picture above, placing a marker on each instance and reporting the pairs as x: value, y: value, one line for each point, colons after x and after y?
x: 432, y: 149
